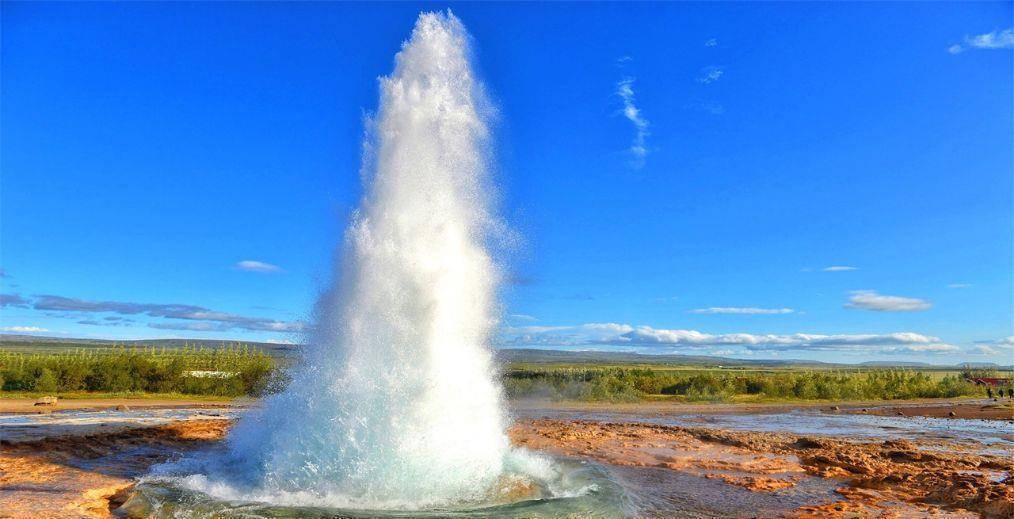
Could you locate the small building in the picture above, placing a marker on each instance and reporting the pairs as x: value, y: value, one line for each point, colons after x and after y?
x: 991, y: 381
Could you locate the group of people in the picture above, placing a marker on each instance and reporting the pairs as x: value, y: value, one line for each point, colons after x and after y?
x: 999, y: 392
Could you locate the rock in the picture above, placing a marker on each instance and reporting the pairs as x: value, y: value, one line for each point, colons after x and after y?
x: 835, y: 408
x: 46, y: 400
x: 44, y: 411
x: 952, y: 413
x: 901, y: 413
x: 866, y: 410
x: 122, y: 407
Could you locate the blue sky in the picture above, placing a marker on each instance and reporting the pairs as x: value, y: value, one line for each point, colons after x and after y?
x: 683, y: 175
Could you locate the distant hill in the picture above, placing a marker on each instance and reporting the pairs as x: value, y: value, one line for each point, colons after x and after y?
x: 533, y: 356
x: 894, y: 364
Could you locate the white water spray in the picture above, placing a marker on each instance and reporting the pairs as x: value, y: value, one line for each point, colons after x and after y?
x: 395, y: 404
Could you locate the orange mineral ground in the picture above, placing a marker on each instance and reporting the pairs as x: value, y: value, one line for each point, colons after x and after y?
x: 69, y: 476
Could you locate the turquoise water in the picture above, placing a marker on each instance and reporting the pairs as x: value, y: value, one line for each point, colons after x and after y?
x: 611, y: 492
x: 597, y: 495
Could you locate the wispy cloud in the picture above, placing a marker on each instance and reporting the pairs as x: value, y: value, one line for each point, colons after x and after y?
x: 215, y: 320
x: 736, y: 310
x: 1003, y: 346
x: 999, y: 39
x: 522, y: 317
x: 871, y: 300
x: 12, y: 300
x: 710, y: 74
x: 839, y: 268
x: 638, y: 148
x: 257, y: 266
x: 959, y: 285
x: 3, y: 273
x: 711, y: 43
x: 614, y: 334
x: 23, y: 329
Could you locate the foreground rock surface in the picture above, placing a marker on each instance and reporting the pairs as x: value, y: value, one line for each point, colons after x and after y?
x: 85, y: 476
x: 879, y: 479
x: 90, y: 475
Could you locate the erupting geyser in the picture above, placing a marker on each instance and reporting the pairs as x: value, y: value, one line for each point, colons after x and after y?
x: 396, y: 404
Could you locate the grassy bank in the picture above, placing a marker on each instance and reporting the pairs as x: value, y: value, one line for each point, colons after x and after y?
x: 623, y: 384
x: 231, y: 371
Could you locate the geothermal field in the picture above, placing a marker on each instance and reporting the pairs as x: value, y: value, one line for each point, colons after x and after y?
x: 588, y: 460
x: 403, y: 398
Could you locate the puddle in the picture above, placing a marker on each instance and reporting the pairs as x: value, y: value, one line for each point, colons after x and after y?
x: 28, y: 427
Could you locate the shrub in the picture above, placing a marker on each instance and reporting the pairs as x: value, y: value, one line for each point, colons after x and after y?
x: 245, y: 371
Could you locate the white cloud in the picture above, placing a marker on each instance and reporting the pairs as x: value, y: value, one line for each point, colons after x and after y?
x: 999, y: 39
x: 23, y: 329
x: 522, y: 317
x: 638, y: 148
x: 871, y: 300
x: 839, y: 268
x: 741, y: 310
x: 984, y: 350
x: 710, y: 74
x: 959, y: 285
x: 257, y: 266
x: 645, y: 336
x: 1002, y: 346
x: 711, y: 43
x: 582, y: 334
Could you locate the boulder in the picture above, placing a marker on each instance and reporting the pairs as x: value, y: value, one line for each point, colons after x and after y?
x: 46, y: 400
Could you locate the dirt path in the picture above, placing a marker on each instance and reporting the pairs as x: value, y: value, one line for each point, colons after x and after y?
x: 978, y: 408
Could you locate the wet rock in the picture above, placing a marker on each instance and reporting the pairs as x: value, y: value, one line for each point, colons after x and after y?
x: 122, y: 407
x: 952, y: 414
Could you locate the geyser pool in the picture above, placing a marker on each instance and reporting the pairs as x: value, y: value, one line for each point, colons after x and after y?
x: 395, y: 405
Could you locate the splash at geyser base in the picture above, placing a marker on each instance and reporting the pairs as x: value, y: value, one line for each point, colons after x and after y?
x: 394, y: 409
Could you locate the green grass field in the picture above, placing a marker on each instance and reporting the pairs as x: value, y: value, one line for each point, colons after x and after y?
x: 182, y: 369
